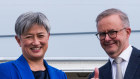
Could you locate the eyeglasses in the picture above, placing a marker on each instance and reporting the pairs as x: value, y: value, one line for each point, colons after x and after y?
x: 111, y: 34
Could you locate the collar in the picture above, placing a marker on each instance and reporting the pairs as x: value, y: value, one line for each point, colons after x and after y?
x: 124, y: 55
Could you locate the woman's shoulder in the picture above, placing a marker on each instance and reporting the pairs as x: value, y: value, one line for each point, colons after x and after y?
x: 58, y: 73
x: 5, y: 69
x: 54, y: 69
x: 5, y: 64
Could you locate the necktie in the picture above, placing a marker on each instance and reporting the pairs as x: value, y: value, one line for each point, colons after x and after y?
x: 118, y: 68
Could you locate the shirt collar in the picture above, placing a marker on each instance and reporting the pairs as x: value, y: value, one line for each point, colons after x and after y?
x: 125, y: 54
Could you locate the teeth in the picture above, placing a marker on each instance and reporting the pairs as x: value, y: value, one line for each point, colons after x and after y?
x: 35, y: 48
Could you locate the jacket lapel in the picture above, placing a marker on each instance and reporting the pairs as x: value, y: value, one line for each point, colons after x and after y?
x: 133, y: 64
x: 24, y: 68
x: 106, y: 71
x: 51, y: 71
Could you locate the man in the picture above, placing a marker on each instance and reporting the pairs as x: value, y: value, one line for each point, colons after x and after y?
x: 114, y: 32
x: 32, y: 34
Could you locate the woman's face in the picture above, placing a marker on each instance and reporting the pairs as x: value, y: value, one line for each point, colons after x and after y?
x: 34, y: 42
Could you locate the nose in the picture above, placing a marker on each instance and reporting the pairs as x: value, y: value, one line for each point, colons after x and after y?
x: 107, y: 38
x: 36, y: 41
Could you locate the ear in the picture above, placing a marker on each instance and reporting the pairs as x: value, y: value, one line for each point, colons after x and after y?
x: 18, y: 40
x: 48, y: 35
x: 128, y: 31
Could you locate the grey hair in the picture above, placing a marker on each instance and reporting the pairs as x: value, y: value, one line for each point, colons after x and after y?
x: 113, y: 11
x: 26, y: 20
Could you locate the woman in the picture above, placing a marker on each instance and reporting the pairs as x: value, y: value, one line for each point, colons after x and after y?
x: 32, y: 34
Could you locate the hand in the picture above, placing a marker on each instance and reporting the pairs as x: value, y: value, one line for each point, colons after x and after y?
x: 96, y: 74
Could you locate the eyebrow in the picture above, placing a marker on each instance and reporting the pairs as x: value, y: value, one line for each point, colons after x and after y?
x: 41, y: 33
x: 107, y: 31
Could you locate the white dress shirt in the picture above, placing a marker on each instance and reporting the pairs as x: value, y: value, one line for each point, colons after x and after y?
x: 125, y: 55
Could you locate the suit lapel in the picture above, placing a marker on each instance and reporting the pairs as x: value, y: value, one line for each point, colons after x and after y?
x: 106, y: 71
x: 24, y: 68
x: 50, y: 71
x: 133, y: 64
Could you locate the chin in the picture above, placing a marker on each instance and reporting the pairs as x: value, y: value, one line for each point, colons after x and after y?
x: 38, y: 57
x: 110, y: 52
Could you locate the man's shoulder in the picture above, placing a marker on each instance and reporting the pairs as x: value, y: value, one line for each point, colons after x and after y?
x: 101, y: 69
x: 135, y: 52
x: 136, y: 49
x: 108, y: 64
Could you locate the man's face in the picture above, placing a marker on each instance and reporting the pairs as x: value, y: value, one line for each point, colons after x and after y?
x: 113, y: 47
x: 34, y: 42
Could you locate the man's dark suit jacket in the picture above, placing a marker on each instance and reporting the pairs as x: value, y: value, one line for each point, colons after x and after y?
x: 132, y: 70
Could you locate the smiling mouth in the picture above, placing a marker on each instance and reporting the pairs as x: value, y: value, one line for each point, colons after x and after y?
x: 36, y: 49
x: 109, y: 44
